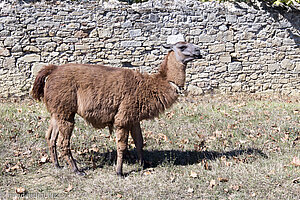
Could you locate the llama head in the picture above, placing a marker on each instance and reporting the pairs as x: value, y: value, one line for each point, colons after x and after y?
x: 185, y: 52
x: 180, y: 54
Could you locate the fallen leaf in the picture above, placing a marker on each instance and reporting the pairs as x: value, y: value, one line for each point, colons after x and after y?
x: 15, y: 167
x: 44, y: 159
x: 190, y: 190
x: 119, y: 196
x: 235, y: 187
x: 193, y: 174
x: 149, y: 171
x: 297, y: 140
x: 29, y: 131
x: 69, y: 188
x: 223, y: 180
x: 296, y: 180
x: 212, y: 183
x: 296, y: 161
x: 20, y: 190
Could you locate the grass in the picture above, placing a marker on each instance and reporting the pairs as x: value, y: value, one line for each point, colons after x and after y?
x: 219, y: 147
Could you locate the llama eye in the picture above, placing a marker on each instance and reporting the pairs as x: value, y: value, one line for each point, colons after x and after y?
x: 182, y: 48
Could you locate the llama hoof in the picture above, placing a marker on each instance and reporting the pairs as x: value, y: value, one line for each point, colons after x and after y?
x: 80, y: 173
x: 57, y: 166
x: 146, y: 165
x: 120, y: 174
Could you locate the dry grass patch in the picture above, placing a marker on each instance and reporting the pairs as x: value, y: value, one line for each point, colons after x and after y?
x: 220, y: 147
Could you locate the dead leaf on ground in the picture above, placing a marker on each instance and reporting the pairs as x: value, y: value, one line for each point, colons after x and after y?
x: 235, y: 187
x: 69, y: 188
x: 212, y: 183
x: 193, y: 174
x: 296, y: 180
x: 223, y: 180
x: 296, y: 161
x: 16, y: 167
x: 190, y: 190
x: 119, y: 196
x: 148, y: 171
x: 20, y: 190
x: 297, y: 140
x: 206, y: 165
x: 44, y: 159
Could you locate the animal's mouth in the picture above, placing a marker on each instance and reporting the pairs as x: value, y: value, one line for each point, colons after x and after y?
x: 199, y: 56
x: 193, y: 57
x: 179, y: 89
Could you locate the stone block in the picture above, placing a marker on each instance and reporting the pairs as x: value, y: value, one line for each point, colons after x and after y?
x: 225, y: 58
x: 173, y: 39
x: 4, y: 51
x: 36, y: 67
x: 206, y: 38
x: 154, y: 17
x: 217, y: 48
x: 9, y: 63
x: 297, y: 68
x: 221, y: 69
x: 10, y: 42
x: 231, y: 18
x: 223, y: 28
x: 31, y: 49
x: 82, y: 47
x: 131, y: 43
x: 17, y: 48
x: 194, y: 90
x: 287, y: 64
x: 235, y: 66
x: 30, y: 58
x: 50, y: 46
x: 236, y: 87
x: 242, y: 77
x: 273, y: 67
x: 230, y: 79
x: 104, y: 33
x: 135, y: 33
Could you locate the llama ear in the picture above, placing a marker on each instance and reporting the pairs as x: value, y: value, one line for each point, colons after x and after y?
x: 167, y: 46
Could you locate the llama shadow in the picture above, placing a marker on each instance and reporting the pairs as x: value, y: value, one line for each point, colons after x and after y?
x: 174, y: 157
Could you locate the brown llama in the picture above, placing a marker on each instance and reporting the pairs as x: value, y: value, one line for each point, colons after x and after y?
x: 108, y: 96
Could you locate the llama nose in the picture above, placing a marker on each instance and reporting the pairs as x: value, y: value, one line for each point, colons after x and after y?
x: 198, y: 53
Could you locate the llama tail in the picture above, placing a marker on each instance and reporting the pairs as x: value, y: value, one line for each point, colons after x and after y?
x: 37, y: 91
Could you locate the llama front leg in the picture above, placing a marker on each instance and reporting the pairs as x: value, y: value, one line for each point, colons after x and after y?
x: 122, y: 140
x: 136, y: 134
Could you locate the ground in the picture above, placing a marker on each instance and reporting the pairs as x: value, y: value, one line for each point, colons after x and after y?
x: 211, y: 147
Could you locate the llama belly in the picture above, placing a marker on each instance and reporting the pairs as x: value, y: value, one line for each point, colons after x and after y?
x: 97, y: 118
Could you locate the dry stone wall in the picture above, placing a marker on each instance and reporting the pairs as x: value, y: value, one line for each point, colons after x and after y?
x: 248, y: 49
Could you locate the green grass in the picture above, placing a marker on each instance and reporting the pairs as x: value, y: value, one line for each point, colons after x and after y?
x: 220, y: 147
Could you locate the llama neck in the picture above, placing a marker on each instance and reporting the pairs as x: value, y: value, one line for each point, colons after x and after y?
x: 172, y: 70
x: 156, y: 95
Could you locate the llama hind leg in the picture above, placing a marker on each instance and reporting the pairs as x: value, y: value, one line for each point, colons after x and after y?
x: 122, y: 140
x: 65, y: 129
x: 136, y: 134
x: 51, y: 137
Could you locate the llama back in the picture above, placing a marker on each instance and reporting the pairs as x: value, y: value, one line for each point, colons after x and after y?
x: 37, y: 91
